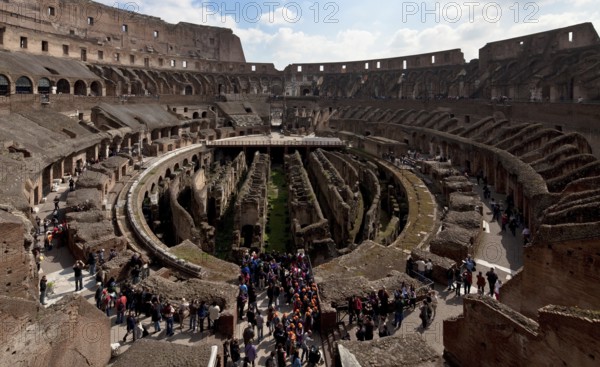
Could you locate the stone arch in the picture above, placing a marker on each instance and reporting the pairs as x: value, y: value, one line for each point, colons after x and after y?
x: 153, y: 188
x: 168, y: 173
x: 96, y: 88
x: 254, y: 86
x: 196, y: 83
x: 23, y: 85
x: 188, y: 90
x: 176, y: 167
x: 4, y: 85
x: 163, y: 85
x: 80, y: 88
x: 223, y: 84
x: 63, y: 86
x: 186, y: 162
x: 196, y: 115
x: 277, y: 90
x: 194, y: 126
x: 247, y: 235
x: 137, y: 88
x: 44, y: 86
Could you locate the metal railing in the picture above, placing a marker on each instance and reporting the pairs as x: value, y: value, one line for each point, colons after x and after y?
x: 278, y: 143
x: 214, y: 354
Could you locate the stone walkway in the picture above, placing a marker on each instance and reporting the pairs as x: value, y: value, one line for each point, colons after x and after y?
x: 58, y: 263
x: 497, y: 249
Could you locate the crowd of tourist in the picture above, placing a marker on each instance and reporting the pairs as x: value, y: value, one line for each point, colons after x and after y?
x: 461, y: 277
x: 285, y: 278
x: 286, y: 281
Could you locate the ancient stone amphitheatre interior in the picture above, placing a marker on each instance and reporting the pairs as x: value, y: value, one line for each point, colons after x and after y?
x: 182, y: 152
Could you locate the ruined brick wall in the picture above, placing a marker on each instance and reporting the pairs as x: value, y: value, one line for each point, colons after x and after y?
x: 199, y: 206
x: 118, y: 28
x: 337, y: 197
x: 440, y: 265
x: 183, y: 223
x: 491, y: 334
x: 377, y: 77
x: 71, y: 333
x: 353, y: 172
x: 512, y: 291
x: 309, y: 228
x: 533, y: 45
x: 90, y: 231
x: 568, y: 273
x: 19, y: 272
x: 224, y: 182
x: 251, y: 206
x: 371, y: 220
x: 185, y: 226
x: 199, y: 196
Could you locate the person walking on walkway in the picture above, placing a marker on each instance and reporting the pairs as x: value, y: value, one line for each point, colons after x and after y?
x: 78, y: 269
x: 169, y: 313
x: 492, y: 277
x: 434, y: 302
x: 480, y: 284
x: 497, y: 287
x: 43, y: 285
x: 450, y: 277
x: 92, y: 263
x: 467, y: 280
x: 213, y: 316
x: 459, y: 281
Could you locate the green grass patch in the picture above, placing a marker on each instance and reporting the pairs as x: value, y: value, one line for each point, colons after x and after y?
x: 194, y: 256
x: 279, y: 231
x: 224, y: 232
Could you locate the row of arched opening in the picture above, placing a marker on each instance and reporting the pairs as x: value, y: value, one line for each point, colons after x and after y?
x: 198, y: 115
x: 24, y: 85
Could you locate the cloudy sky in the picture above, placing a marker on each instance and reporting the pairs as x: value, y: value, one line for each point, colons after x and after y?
x: 285, y: 32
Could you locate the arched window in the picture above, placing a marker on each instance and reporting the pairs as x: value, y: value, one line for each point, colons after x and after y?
x: 44, y: 85
x: 23, y: 85
x: 80, y: 89
x: 4, y: 86
x: 63, y: 87
x: 96, y: 89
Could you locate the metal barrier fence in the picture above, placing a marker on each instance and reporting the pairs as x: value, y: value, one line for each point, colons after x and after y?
x: 278, y: 143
